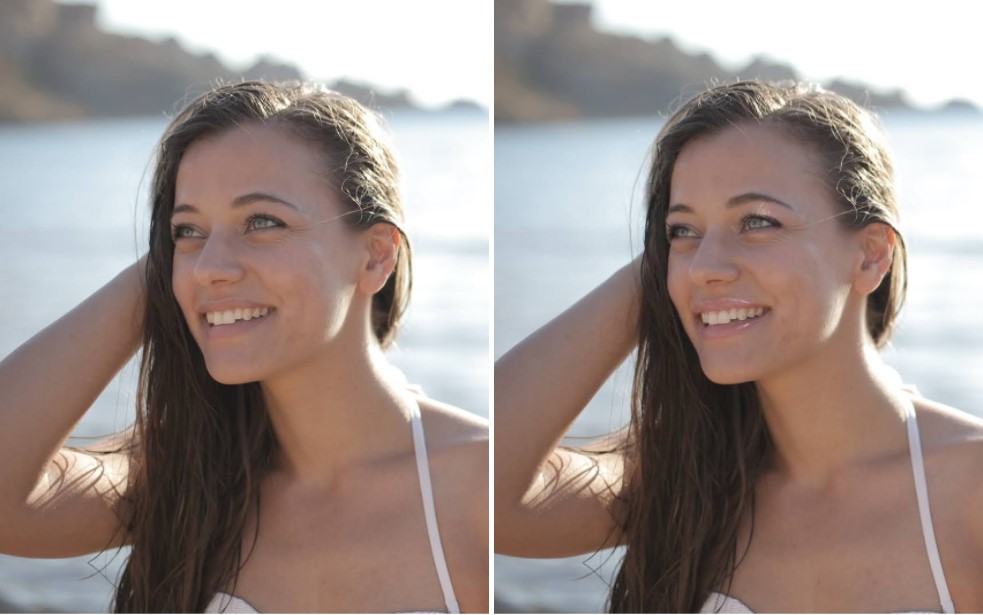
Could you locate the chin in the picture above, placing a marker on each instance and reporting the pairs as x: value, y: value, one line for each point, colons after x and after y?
x: 728, y: 374
x: 231, y: 381
x: 232, y: 375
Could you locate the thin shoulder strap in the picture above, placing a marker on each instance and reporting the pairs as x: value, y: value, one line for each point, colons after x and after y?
x: 423, y: 469
x: 921, y: 490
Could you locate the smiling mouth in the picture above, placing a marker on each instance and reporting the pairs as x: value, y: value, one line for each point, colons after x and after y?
x: 230, y: 317
x: 725, y: 317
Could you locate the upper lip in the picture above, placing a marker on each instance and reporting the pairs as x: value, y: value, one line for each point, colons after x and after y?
x: 724, y: 304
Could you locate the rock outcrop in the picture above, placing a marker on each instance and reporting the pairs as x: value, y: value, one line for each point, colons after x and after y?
x: 552, y: 64
x: 56, y: 64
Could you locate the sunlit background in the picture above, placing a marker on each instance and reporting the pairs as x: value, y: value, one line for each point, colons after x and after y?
x: 436, y: 49
x: 86, y: 92
x: 927, y: 51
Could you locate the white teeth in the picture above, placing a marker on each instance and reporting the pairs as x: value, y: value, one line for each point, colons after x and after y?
x: 229, y: 317
x: 724, y: 317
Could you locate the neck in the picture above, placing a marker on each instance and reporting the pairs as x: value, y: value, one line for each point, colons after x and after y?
x: 342, y: 408
x: 840, y: 409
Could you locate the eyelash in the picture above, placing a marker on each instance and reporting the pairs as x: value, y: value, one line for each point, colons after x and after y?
x: 772, y: 223
x: 276, y: 221
x: 177, y: 229
x: 672, y: 230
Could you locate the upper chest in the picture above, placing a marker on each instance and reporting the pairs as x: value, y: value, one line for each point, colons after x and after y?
x: 363, y: 547
x: 859, y: 548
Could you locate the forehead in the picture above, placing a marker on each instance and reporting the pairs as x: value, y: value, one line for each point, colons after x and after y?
x: 251, y: 158
x: 747, y: 158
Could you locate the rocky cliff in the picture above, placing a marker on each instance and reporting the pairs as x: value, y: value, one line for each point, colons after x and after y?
x: 552, y: 64
x: 55, y: 64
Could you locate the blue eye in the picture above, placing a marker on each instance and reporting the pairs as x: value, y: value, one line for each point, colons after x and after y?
x: 263, y: 221
x: 182, y: 231
x: 754, y: 222
x: 679, y: 231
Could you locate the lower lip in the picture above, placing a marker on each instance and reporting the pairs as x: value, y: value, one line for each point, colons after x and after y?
x: 221, y: 332
x: 732, y: 328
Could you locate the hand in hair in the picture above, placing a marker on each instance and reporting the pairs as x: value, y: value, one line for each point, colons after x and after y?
x: 551, y: 501
x: 57, y: 501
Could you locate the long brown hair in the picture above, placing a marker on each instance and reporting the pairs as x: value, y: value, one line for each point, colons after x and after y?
x: 695, y: 448
x: 200, y: 447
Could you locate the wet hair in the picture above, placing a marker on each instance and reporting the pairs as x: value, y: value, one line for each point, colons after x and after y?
x: 200, y: 448
x: 694, y: 448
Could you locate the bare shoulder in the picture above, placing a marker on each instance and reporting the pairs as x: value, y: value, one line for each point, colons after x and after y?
x: 948, y: 429
x: 450, y: 426
x: 457, y: 446
x: 952, y: 443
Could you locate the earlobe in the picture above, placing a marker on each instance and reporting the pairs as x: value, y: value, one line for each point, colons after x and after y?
x: 877, y: 243
x: 382, y: 242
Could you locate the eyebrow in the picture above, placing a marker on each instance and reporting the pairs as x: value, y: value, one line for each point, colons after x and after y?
x: 736, y: 201
x: 239, y: 201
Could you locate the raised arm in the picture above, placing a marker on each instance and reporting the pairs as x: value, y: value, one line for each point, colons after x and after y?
x: 57, y: 502
x: 552, y: 502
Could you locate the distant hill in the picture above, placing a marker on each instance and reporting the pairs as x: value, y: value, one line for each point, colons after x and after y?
x: 56, y: 64
x: 552, y: 64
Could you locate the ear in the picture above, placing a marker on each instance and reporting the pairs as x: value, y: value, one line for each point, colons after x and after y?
x: 382, y: 247
x: 877, y: 242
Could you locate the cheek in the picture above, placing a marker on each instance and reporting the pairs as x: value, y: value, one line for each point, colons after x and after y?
x: 805, y: 295
x: 321, y: 296
x: 678, y: 284
x: 182, y: 284
x: 330, y: 273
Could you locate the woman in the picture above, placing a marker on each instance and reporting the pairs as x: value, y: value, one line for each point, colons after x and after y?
x: 277, y: 463
x: 773, y: 462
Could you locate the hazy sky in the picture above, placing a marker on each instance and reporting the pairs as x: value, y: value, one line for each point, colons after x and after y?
x: 440, y: 50
x: 932, y: 50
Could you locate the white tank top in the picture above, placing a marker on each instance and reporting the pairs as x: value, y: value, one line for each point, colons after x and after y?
x: 722, y: 603
x: 227, y: 603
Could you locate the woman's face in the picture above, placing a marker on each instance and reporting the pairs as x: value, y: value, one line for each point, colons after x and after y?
x: 258, y: 241
x: 759, y: 273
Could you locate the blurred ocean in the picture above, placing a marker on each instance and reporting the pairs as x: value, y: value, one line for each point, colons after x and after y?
x: 568, y: 213
x: 73, y: 213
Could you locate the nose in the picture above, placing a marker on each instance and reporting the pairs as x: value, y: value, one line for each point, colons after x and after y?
x: 219, y: 260
x: 713, y: 262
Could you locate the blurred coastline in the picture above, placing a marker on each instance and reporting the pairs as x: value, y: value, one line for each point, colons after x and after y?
x: 57, y: 64
x: 553, y: 64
